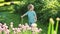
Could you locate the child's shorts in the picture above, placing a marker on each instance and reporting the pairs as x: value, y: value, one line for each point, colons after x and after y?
x: 30, y: 24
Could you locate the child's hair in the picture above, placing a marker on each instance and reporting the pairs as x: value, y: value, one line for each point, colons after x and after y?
x: 30, y: 6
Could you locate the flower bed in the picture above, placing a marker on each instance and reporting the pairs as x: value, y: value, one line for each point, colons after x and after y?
x: 21, y: 29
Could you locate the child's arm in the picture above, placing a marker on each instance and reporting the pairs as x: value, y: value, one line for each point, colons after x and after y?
x: 35, y: 18
x: 22, y: 16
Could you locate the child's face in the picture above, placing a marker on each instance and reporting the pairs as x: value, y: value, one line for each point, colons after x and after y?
x: 31, y: 7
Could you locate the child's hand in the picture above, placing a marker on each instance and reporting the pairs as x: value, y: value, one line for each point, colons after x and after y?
x: 21, y: 16
x: 35, y: 20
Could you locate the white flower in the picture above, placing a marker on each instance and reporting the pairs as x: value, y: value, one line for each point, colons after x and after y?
x: 20, y: 25
x: 11, y: 23
x: 11, y: 26
x: 40, y: 29
x: 57, y: 19
x: 51, y: 21
x: 34, y: 25
x: 5, y: 24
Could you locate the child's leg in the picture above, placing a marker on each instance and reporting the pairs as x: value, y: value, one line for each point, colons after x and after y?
x: 30, y: 24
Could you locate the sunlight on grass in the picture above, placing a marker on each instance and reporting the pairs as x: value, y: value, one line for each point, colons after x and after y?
x: 15, y: 2
x: 1, y: 0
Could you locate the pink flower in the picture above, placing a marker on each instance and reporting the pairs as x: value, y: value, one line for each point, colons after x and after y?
x: 15, y: 30
x: 7, y: 31
x: 18, y: 29
x: 29, y: 28
x: 24, y: 28
x: 33, y: 29
x: 4, y: 27
x: 0, y: 24
x: 1, y: 29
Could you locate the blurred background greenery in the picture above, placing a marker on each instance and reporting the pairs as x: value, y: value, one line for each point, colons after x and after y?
x: 11, y: 10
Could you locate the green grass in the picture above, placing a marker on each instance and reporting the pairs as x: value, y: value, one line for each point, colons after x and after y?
x: 7, y: 18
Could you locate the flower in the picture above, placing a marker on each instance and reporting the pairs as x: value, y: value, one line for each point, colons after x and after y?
x: 1, y: 29
x: 18, y: 29
x: 0, y: 24
x: 40, y: 29
x: 5, y: 24
x: 20, y: 25
x: 26, y: 25
x: 57, y: 19
x: 29, y: 28
x: 34, y: 25
x: 7, y: 31
x: 11, y: 23
x: 15, y: 30
x: 51, y: 21
x: 11, y: 26
x: 6, y: 27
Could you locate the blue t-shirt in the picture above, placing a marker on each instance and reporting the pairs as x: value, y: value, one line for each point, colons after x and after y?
x: 31, y: 16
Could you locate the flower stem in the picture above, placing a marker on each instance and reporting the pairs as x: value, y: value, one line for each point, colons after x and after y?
x: 57, y: 26
x: 52, y: 32
x: 49, y: 28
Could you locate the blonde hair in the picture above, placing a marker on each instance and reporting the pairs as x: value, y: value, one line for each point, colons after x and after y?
x: 30, y: 6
